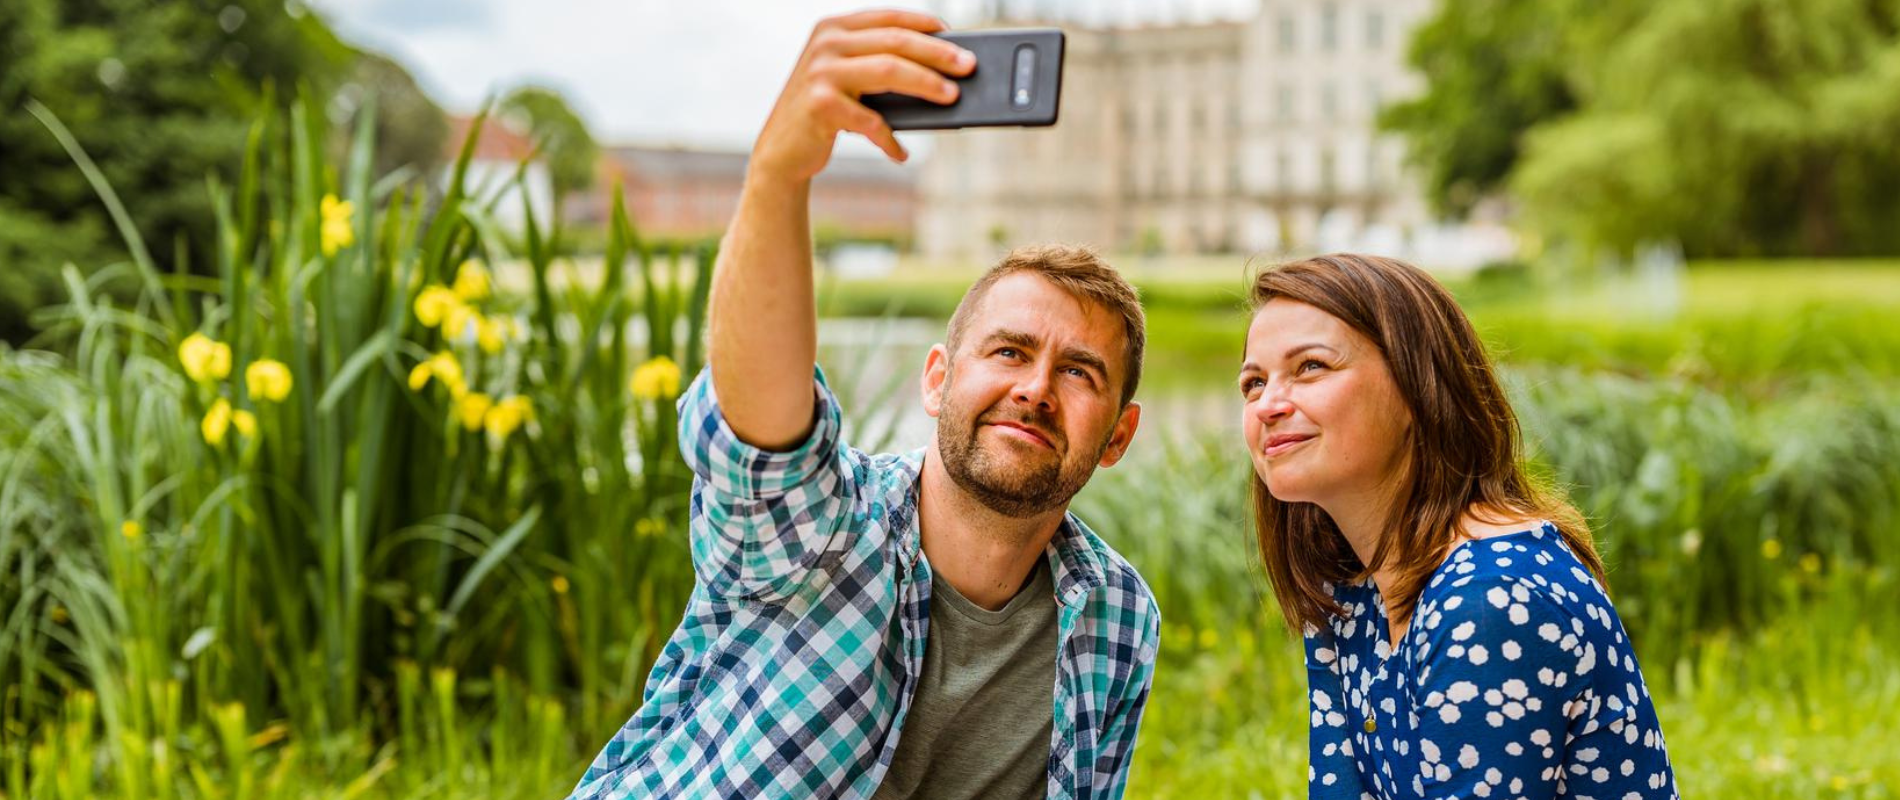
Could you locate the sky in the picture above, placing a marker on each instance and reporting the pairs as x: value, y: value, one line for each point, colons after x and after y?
x: 700, y: 73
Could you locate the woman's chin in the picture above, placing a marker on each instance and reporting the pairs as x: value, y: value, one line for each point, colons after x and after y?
x: 1285, y: 485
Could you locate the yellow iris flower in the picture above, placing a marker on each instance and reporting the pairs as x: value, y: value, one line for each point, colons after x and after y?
x: 656, y: 379
x: 221, y: 418
x: 268, y: 379
x: 471, y: 281
x: 507, y: 416
x: 472, y: 408
x: 441, y: 367
x: 204, y: 359
x: 434, y: 304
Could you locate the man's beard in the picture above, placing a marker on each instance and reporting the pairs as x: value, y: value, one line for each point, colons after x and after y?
x: 1011, y: 489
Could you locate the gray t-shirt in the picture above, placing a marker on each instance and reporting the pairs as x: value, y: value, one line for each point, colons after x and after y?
x: 980, y: 722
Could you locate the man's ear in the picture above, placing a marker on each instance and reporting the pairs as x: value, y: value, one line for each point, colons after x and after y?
x: 1123, y: 434
x: 936, y: 376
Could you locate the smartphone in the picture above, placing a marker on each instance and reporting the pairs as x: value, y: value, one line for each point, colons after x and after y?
x: 1017, y: 82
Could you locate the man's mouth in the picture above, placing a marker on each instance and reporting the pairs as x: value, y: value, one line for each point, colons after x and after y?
x: 1025, y: 433
x: 1282, y: 442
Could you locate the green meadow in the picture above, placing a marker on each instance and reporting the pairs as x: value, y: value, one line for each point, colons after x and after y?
x: 342, y: 515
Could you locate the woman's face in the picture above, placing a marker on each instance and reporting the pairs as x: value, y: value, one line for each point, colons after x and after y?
x: 1323, y: 420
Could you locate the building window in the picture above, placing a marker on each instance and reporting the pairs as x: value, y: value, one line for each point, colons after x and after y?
x: 1233, y: 177
x: 1233, y: 118
x: 1289, y: 39
x: 1283, y: 102
x: 1328, y: 179
x: 1375, y: 99
x: 1329, y: 101
x: 1375, y: 30
x: 1283, y: 171
x: 1329, y: 27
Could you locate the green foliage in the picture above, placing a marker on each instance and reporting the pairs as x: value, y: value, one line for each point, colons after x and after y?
x: 560, y: 134
x: 1493, y: 69
x: 1764, y: 127
x: 1736, y: 127
x: 376, y: 558
x: 162, y: 94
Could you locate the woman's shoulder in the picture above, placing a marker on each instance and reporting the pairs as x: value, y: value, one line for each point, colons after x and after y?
x: 1520, y: 584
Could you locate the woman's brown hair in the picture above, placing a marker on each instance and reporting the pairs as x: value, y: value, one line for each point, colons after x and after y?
x: 1464, y: 452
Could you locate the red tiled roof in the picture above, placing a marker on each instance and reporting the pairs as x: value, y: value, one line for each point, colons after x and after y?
x: 497, y: 142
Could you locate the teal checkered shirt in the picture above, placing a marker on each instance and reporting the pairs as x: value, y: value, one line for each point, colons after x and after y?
x: 803, y: 641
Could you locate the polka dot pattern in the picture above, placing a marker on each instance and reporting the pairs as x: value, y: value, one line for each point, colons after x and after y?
x: 1514, y: 680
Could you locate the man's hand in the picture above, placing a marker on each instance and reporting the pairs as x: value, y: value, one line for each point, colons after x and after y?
x: 849, y: 57
x: 763, y: 329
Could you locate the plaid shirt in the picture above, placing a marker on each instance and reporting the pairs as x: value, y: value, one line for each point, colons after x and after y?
x: 803, y: 642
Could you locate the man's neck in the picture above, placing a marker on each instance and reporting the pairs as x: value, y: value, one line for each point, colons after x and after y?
x: 986, y: 556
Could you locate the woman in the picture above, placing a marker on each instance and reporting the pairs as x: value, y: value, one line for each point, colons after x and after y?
x: 1459, y: 642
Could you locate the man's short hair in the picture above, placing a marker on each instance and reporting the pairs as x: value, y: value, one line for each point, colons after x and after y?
x: 1084, y: 276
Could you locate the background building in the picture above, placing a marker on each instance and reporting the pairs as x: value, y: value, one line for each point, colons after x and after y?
x: 1255, y: 135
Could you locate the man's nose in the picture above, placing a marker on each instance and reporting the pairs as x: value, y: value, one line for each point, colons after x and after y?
x: 1034, y: 387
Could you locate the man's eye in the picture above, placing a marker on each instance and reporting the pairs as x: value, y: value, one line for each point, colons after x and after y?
x: 1007, y: 352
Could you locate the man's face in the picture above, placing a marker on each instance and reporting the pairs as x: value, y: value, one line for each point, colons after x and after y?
x: 1030, y: 403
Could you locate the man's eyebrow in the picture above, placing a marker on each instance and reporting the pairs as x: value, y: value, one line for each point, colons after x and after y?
x: 1011, y: 336
x: 1086, y: 358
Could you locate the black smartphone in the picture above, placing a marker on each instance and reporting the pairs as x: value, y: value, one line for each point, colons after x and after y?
x: 1017, y: 82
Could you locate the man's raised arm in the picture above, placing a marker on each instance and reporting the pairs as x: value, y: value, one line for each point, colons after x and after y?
x: 761, y: 320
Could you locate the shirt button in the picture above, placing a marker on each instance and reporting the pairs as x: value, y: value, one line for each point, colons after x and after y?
x: 1370, y: 725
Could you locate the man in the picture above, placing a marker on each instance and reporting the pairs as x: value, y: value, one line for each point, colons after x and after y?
x: 929, y: 625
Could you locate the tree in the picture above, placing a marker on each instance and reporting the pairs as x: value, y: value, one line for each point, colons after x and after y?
x: 1736, y: 127
x: 161, y: 94
x: 559, y: 134
x: 1493, y: 69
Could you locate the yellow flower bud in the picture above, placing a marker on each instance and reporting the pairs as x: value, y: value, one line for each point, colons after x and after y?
x: 471, y: 281
x: 472, y: 408
x: 449, y: 371
x: 131, y: 529
x: 216, y: 423
x: 433, y: 304
x: 419, y: 377
x: 656, y: 379
x: 337, y: 233
x: 245, y: 422
x: 268, y: 379
x: 560, y: 584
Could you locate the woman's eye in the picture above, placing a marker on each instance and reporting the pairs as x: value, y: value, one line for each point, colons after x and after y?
x: 1309, y: 364
x: 1251, y: 385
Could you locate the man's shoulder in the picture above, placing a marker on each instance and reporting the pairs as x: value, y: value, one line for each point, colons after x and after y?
x: 1122, y: 584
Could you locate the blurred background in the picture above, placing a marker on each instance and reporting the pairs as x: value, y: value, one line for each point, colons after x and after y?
x: 338, y: 343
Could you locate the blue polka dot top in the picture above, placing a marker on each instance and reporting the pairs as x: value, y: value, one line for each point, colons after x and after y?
x: 1514, y: 680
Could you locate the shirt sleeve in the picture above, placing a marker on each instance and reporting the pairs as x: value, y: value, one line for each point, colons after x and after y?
x: 762, y: 520
x: 1500, y: 669
x: 1118, y: 738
